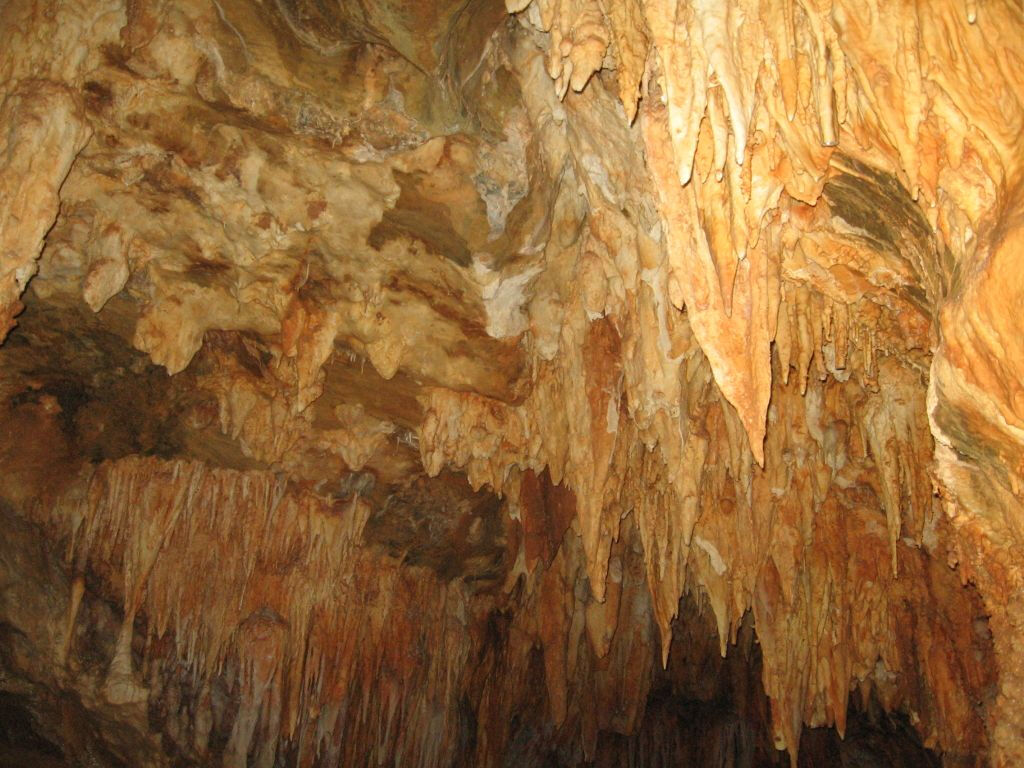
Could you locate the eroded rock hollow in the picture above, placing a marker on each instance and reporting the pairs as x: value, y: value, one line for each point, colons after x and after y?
x: 548, y: 383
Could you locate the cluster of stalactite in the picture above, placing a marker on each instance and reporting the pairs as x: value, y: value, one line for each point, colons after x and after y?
x: 717, y: 297
x: 268, y: 633
x: 813, y: 216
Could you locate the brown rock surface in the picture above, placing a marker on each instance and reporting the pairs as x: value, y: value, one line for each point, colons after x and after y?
x: 569, y: 382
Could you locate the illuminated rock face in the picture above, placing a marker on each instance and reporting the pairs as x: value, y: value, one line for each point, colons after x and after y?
x: 610, y: 382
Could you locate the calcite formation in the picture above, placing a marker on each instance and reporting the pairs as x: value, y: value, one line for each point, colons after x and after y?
x: 563, y: 382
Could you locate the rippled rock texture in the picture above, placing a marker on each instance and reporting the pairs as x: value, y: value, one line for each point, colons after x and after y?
x: 565, y: 382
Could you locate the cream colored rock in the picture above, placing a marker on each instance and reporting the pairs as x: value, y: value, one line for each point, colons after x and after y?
x: 43, y: 131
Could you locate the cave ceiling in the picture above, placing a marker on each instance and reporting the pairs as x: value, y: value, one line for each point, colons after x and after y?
x: 475, y: 383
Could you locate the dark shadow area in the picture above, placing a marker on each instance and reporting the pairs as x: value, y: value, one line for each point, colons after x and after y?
x: 705, y: 710
x: 21, y: 743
